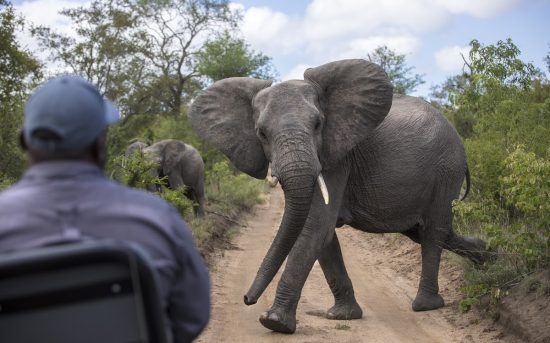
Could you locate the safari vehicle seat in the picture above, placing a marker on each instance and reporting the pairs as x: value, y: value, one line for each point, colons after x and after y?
x: 98, y: 292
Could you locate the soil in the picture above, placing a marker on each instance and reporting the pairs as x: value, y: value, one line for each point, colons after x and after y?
x: 525, y: 310
x: 384, y: 269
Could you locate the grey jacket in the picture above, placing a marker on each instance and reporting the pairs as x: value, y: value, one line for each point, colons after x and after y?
x: 68, y: 200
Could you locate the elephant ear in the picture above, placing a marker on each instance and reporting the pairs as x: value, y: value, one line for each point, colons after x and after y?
x: 355, y: 95
x: 223, y: 116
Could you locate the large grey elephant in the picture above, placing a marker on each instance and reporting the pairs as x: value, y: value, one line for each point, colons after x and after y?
x: 345, y: 151
x: 181, y: 163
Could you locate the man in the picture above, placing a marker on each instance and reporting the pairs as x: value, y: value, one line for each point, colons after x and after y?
x: 65, y: 197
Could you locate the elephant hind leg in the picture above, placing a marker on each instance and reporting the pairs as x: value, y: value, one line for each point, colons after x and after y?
x: 345, y: 305
x: 191, y: 194
x: 432, y: 235
x: 470, y: 247
x: 428, y: 297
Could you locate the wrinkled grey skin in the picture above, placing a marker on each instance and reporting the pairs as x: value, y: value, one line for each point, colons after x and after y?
x: 385, y: 172
x: 180, y: 162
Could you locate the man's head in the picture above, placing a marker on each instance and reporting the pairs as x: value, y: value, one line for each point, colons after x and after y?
x: 66, y: 119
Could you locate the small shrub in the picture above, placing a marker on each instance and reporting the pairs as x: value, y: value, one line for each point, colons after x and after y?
x: 137, y: 171
x: 178, y: 199
x: 6, y: 182
x: 234, y: 190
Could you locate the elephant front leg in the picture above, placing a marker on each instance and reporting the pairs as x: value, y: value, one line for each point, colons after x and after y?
x: 281, y: 317
x: 345, y: 305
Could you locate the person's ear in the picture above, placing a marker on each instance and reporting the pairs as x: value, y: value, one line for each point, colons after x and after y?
x: 99, y: 149
x: 22, y: 141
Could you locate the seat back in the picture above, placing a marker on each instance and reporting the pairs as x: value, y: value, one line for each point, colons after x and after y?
x: 82, y: 292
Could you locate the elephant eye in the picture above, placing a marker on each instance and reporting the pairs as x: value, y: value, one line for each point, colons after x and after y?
x: 317, y: 124
x: 262, y: 135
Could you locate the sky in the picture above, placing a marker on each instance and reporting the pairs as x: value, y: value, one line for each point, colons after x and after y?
x: 431, y: 33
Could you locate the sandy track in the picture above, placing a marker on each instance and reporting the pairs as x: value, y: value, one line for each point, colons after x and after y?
x: 384, y: 270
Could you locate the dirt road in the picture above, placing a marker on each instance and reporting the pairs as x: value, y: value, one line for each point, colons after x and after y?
x: 384, y: 270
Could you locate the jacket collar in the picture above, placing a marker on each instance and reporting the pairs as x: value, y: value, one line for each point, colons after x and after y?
x: 61, y: 169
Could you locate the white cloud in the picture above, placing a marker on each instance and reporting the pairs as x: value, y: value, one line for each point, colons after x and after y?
x: 328, y: 19
x: 478, y: 8
x: 270, y: 31
x: 45, y: 12
x: 448, y: 59
x: 331, y: 29
x: 405, y: 44
x: 296, y: 73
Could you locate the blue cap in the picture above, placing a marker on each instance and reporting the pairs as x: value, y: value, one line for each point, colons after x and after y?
x: 71, y: 108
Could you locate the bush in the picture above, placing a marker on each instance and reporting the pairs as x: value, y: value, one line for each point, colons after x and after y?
x: 233, y: 189
x: 507, y: 108
x: 178, y: 199
x: 5, y: 182
x: 139, y: 172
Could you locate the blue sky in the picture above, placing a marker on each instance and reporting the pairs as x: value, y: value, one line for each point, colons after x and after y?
x: 300, y: 34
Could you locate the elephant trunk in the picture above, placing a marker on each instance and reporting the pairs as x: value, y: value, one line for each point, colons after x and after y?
x: 297, y: 179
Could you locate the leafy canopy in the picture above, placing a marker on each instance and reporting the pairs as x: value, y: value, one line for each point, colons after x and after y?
x: 401, y: 75
x: 226, y: 56
x: 18, y: 71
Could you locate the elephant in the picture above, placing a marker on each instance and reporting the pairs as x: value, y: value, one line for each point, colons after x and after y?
x: 346, y: 151
x: 178, y: 161
x: 134, y: 148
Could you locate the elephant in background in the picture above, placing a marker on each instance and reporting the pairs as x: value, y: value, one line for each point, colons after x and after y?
x: 135, y: 147
x: 178, y: 161
x: 345, y: 151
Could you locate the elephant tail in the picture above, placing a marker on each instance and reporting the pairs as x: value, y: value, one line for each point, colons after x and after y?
x: 467, y: 183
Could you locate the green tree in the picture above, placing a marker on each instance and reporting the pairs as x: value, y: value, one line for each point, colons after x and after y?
x: 102, y: 50
x: 140, y: 54
x: 502, y: 112
x: 402, y: 76
x: 169, y: 42
x: 18, y: 68
x: 447, y: 93
x: 493, y: 73
x: 227, y: 56
x: 501, y: 63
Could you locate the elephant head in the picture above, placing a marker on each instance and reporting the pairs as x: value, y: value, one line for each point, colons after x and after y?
x: 303, y: 127
x: 172, y: 160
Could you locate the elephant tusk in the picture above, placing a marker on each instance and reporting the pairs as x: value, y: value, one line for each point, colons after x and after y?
x: 274, y: 181
x: 323, y: 188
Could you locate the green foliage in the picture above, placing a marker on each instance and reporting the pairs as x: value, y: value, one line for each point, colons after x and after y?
x: 400, y: 74
x: 137, y: 171
x: 177, y: 198
x: 18, y: 70
x: 526, y: 184
x: 140, y: 54
x: 500, y: 62
x: 5, y: 182
x: 227, y: 56
x: 101, y: 47
x: 233, y: 189
x: 503, y: 112
x: 140, y: 172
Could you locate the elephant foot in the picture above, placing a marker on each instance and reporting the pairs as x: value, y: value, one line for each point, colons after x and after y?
x: 427, y: 301
x: 345, y: 311
x: 279, y: 321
